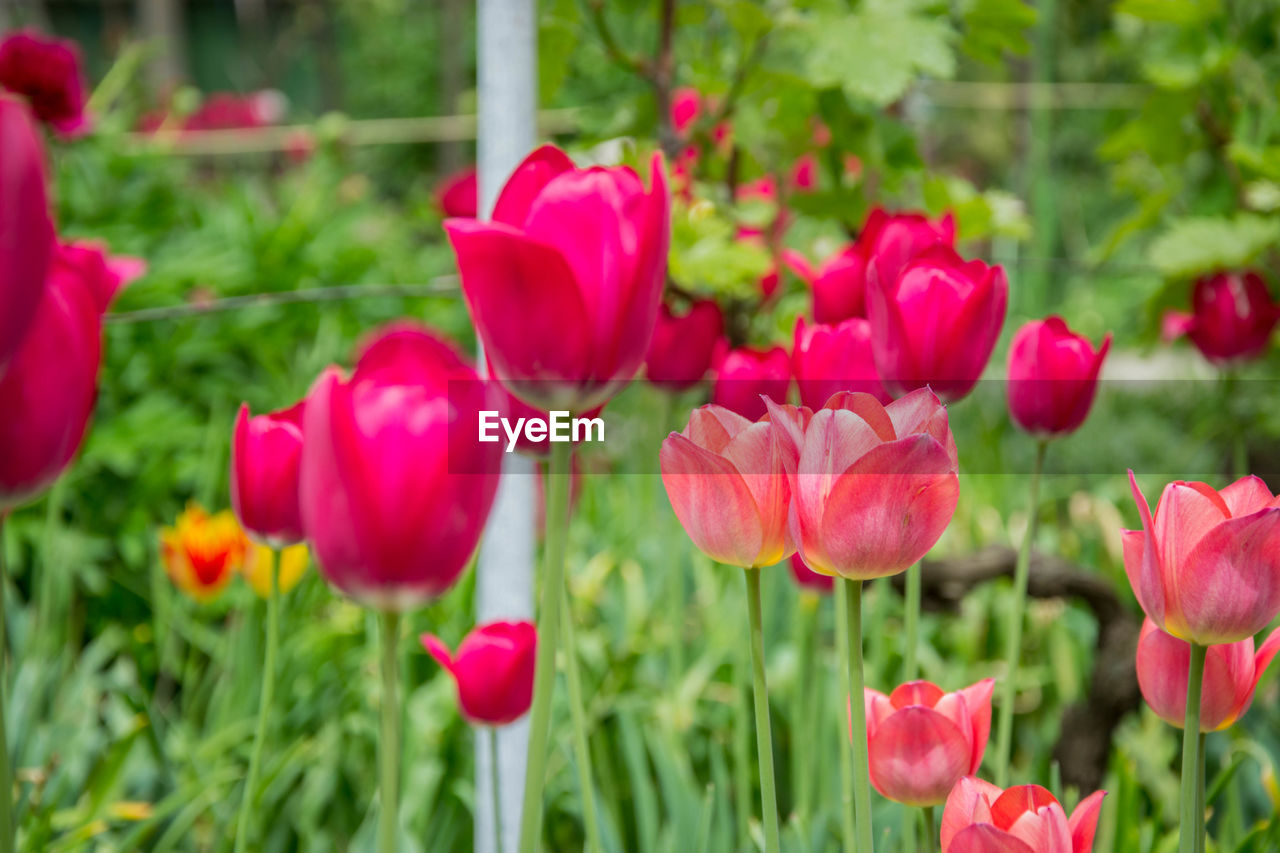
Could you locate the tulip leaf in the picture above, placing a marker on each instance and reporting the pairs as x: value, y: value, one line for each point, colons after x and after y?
x: 1198, y: 245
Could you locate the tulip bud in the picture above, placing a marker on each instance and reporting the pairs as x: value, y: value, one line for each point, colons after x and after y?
x: 979, y: 817
x: 682, y: 348
x: 1231, y: 674
x: 726, y: 483
x: 840, y: 285
x: 873, y: 486
x: 1232, y: 317
x: 830, y: 359
x: 1053, y: 377
x: 921, y: 740
x: 265, y: 452
x: 564, y: 284
x: 47, y: 72
x: 743, y: 375
x: 1206, y: 564
x: 493, y: 669
x: 458, y: 194
x: 937, y: 323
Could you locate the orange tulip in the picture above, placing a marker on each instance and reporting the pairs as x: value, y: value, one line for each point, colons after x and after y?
x: 201, y: 551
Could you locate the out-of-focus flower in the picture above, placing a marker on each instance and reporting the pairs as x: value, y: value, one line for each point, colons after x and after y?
x: 683, y: 346
x: 395, y: 486
x: 564, y: 284
x: 1053, y: 377
x: 873, y: 486
x: 26, y: 229
x: 260, y: 561
x: 493, y: 670
x: 201, y: 552
x: 937, y: 323
x: 839, y: 284
x: 829, y: 359
x: 726, y: 483
x: 458, y: 195
x: 742, y: 375
x: 804, y: 173
x: 921, y: 740
x: 807, y: 578
x: 686, y: 107
x: 265, y: 453
x: 47, y: 72
x: 1206, y: 564
x: 1233, y: 316
x: 981, y: 818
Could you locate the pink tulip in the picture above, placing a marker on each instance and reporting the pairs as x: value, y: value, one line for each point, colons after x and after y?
x: 493, y: 670
x: 1206, y: 565
x: 744, y: 374
x: 1232, y: 317
x: 564, y: 284
x: 47, y: 72
x: 686, y: 106
x: 726, y: 483
x: 52, y: 381
x: 395, y: 487
x: 981, y: 818
x: 807, y: 578
x: 26, y: 230
x: 873, y: 486
x: 1231, y: 674
x: 265, y: 453
x: 922, y: 740
x: 1053, y: 377
x: 937, y: 324
x: 458, y: 194
x: 839, y: 285
x: 890, y: 241
x: 830, y: 359
x: 683, y: 346
x: 804, y: 173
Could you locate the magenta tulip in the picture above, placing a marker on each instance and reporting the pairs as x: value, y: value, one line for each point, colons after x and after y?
x: 1053, y: 377
x: 564, y: 284
x: 807, y: 579
x: 26, y: 230
x: 683, y: 346
x: 47, y: 72
x: 922, y: 740
x: 829, y: 359
x: 873, y: 486
x: 265, y: 454
x: 937, y: 324
x: 458, y: 194
x: 52, y: 381
x: 839, y: 285
x: 493, y: 670
x: 395, y: 486
x: 1231, y: 675
x: 889, y: 241
x: 726, y: 483
x: 744, y: 374
x: 1233, y: 316
x: 686, y: 107
x: 1206, y: 564
x: 981, y: 818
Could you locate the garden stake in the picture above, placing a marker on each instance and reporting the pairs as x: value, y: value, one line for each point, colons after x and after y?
x: 264, y: 708
x: 495, y: 788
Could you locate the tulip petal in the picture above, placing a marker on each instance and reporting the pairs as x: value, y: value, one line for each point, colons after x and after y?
x: 1266, y: 652
x: 712, y: 427
x: 527, y: 181
x: 985, y: 838
x: 920, y: 411
x: 977, y: 698
x: 712, y: 502
x: 867, y: 407
x: 968, y: 803
x: 438, y: 650
x: 1084, y: 822
x: 879, y: 708
x: 756, y: 454
x: 1229, y: 584
x: 917, y: 756
x: 1034, y: 815
x: 916, y: 693
x: 1143, y: 566
x: 1246, y: 496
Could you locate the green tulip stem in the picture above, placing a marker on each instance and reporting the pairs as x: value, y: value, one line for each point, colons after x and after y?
x: 1200, y: 802
x: 1191, y: 824
x: 577, y: 713
x: 389, y: 742
x: 858, y: 713
x: 6, y: 778
x: 930, y: 831
x: 264, y: 706
x: 544, y: 679
x: 911, y: 625
x: 764, y: 737
x: 1017, y: 615
x: 848, y: 831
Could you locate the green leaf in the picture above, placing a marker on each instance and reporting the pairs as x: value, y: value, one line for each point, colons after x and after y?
x: 996, y: 27
x: 1181, y: 12
x: 1198, y: 245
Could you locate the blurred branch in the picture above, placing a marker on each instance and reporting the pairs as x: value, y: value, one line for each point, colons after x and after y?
x: 611, y: 47
x: 1084, y: 741
x: 664, y: 79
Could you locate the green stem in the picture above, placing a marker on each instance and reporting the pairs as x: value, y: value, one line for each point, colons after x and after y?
x: 264, y: 707
x: 858, y: 712
x: 6, y: 778
x: 577, y: 714
x: 1200, y: 802
x: 389, y: 742
x: 930, y: 831
x: 805, y: 707
x: 910, y: 664
x: 1191, y: 823
x: 764, y: 737
x: 1017, y: 615
x: 848, y: 831
x: 544, y: 678
x: 495, y: 788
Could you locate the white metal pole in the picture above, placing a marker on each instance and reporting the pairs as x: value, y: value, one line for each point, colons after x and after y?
x: 507, y: 58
